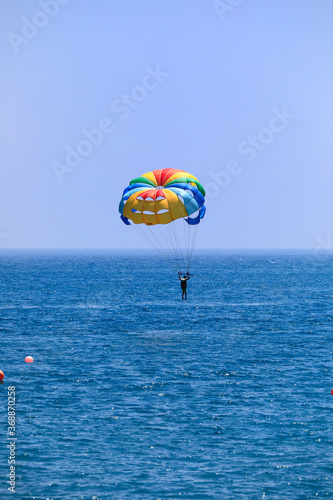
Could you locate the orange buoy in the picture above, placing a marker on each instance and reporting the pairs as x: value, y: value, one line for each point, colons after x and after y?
x: 1, y: 375
x: 29, y: 359
x: 332, y: 392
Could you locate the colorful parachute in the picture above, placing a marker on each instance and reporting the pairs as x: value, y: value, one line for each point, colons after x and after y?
x: 161, y: 199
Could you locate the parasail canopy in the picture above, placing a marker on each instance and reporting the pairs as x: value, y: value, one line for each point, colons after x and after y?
x: 163, y: 199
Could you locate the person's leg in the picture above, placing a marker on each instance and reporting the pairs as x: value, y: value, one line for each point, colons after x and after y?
x: 185, y: 294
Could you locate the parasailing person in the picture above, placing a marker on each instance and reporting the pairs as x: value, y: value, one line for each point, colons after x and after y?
x: 183, y: 284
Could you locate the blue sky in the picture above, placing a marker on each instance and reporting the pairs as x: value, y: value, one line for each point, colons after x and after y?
x: 239, y: 93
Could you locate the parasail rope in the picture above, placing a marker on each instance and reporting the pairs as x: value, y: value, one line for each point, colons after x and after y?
x: 150, y: 241
x: 168, y: 242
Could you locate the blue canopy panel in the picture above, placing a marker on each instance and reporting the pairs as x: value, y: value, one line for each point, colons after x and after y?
x: 134, y: 187
x: 125, y: 220
x: 189, y: 202
x: 196, y: 220
x: 202, y: 212
x: 196, y: 193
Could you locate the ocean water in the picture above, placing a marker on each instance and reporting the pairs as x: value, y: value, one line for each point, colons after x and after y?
x: 135, y: 394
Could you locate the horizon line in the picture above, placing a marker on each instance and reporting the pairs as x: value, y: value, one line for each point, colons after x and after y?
x: 154, y: 250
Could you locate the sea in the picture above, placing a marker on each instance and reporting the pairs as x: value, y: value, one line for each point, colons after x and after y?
x: 136, y: 394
